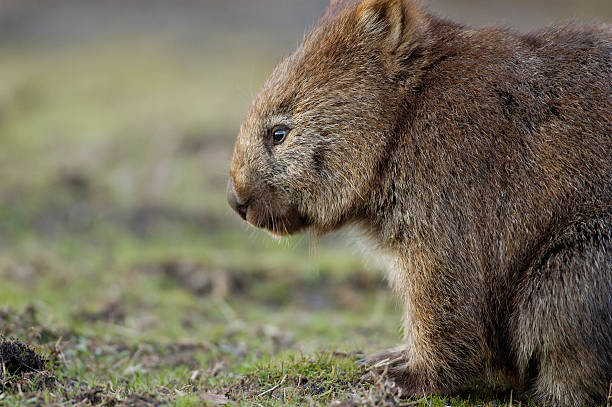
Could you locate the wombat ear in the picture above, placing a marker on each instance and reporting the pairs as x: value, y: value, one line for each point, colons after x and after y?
x: 402, y: 22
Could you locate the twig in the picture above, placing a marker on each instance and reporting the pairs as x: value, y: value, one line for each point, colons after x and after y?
x: 609, y: 403
x: 271, y: 389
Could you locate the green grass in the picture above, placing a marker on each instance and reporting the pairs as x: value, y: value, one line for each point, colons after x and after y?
x: 122, y: 264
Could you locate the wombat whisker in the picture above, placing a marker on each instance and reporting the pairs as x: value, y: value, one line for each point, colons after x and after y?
x: 313, y: 244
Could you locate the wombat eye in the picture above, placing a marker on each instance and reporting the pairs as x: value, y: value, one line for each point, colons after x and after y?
x: 279, y: 134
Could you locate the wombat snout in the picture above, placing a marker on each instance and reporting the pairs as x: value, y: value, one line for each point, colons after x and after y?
x: 233, y: 200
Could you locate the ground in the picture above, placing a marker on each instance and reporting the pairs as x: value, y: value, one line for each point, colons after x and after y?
x: 126, y: 278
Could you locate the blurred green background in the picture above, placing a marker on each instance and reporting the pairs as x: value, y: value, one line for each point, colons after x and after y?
x: 117, y: 122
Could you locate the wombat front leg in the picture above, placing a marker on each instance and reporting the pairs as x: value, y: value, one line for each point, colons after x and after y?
x: 425, y: 364
x: 395, y: 364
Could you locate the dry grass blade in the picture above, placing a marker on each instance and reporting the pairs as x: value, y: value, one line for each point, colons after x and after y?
x: 271, y: 389
x: 414, y: 403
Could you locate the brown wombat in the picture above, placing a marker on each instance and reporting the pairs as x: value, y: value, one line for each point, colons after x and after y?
x: 480, y: 161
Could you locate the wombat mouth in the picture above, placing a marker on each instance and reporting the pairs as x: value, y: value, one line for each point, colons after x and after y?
x: 285, y: 225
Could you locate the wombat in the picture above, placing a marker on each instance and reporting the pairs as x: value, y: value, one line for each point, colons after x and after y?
x: 480, y: 161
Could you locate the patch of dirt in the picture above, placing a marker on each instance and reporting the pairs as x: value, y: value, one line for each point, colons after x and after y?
x: 113, y: 312
x: 92, y: 396
x: 18, y: 358
x: 98, y: 396
x: 29, y: 382
x: 201, y: 281
x: 245, y: 389
x: 77, y: 182
x: 142, y: 400
x: 272, y: 288
x: 174, y: 355
x: 22, y: 369
x: 279, y: 338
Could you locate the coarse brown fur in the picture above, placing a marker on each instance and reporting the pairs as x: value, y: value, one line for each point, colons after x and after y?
x: 479, y: 160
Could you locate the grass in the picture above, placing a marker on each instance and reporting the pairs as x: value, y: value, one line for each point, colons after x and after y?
x: 122, y: 265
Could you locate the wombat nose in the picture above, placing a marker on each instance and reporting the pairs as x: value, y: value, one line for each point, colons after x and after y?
x: 234, y: 201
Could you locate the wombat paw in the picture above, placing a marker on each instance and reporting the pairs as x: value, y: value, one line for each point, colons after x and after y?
x: 385, y: 360
x: 392, y: 365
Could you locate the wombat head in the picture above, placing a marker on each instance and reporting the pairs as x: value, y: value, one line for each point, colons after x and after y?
x: 310, y: 149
